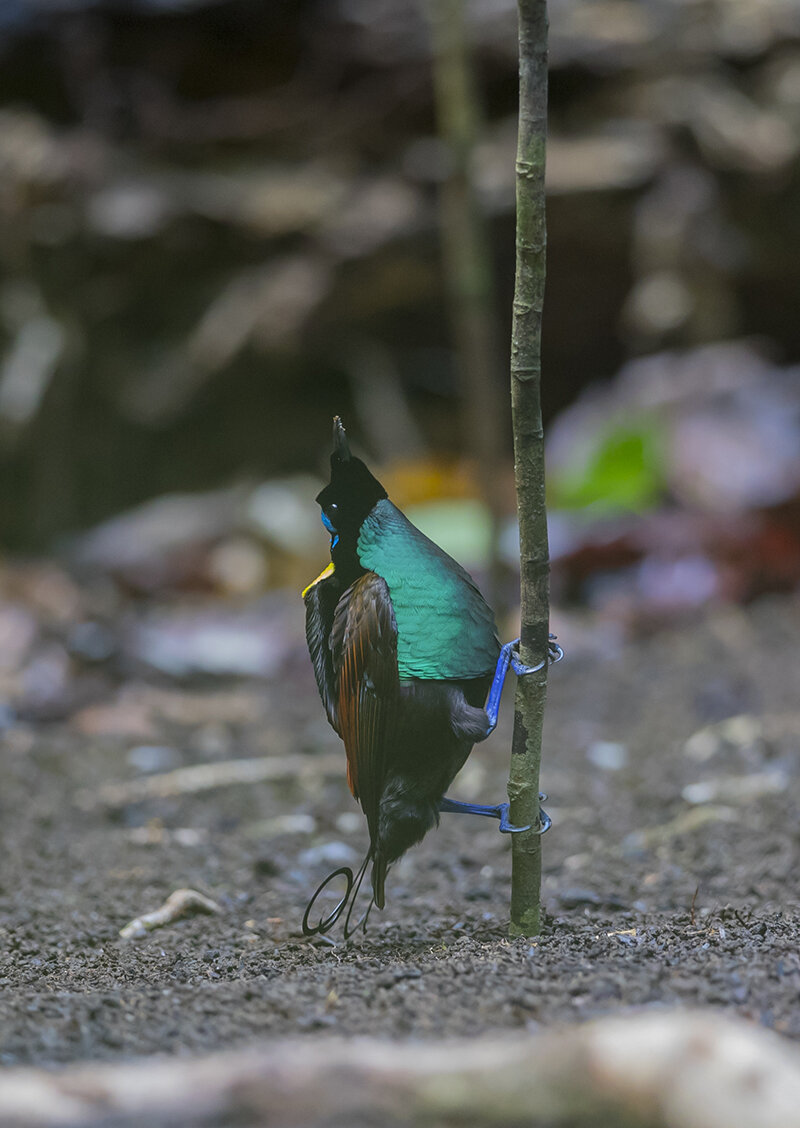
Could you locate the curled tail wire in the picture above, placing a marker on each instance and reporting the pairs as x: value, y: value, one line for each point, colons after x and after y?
x: 348, y: 901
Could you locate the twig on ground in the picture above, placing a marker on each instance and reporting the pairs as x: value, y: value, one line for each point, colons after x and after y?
x: 650, y: 837
x: 183, y: 902
x: 207, y: 777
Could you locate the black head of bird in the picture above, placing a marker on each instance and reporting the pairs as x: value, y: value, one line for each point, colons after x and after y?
x: 404, y: 650
x: 347, y: 501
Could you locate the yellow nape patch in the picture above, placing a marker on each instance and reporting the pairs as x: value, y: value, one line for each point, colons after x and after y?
x: 322, y: 576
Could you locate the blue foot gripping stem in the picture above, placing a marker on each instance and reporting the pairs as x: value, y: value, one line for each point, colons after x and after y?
x: 508, y: 657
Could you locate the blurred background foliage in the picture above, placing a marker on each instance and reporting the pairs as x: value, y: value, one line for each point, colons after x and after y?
x: 220, y: 224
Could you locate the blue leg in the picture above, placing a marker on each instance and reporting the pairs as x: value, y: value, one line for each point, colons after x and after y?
x: 508, y: 657
x: 495, y: 693
x: 499, y: 812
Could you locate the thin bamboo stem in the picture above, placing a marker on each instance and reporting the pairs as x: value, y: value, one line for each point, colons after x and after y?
x: 526, y: 749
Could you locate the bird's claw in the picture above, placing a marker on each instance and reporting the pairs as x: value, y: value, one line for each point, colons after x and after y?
x: 554, y: 654
x: 505, y: 824
x: 545, y: 822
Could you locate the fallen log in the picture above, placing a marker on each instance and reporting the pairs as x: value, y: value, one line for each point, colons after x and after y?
x: 675, y: 1069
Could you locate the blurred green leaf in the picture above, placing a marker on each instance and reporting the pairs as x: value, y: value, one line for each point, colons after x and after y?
x: 625, y: 469
x: 461, y: 526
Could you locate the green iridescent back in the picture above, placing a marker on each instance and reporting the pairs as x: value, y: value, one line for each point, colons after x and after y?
x: 445, y: 630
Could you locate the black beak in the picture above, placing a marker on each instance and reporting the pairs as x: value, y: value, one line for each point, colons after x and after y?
x: 340, y: 444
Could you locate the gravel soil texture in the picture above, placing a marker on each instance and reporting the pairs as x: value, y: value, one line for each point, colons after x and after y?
x: 671, y: 871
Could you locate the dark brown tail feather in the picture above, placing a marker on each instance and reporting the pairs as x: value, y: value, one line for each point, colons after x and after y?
x: 379, y: 868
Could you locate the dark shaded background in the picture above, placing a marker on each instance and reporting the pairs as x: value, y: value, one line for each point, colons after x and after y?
x: 218, y: 225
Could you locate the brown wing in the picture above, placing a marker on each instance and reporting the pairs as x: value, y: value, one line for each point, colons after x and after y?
x: 364, y: 646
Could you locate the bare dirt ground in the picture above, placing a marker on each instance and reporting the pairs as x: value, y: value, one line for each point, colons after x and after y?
x: 656, y: 896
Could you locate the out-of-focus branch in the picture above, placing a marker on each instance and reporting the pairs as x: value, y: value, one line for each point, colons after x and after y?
x: 468, y: 259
